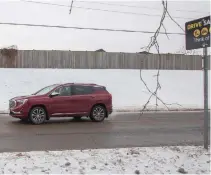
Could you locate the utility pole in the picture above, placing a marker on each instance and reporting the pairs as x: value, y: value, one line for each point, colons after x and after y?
x: 206, y: 101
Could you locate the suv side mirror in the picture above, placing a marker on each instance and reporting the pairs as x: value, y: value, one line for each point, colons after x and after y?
x: 53, y: 94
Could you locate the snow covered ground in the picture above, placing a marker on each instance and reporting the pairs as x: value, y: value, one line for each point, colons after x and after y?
x: 129, y: 93
x: 153, y: 160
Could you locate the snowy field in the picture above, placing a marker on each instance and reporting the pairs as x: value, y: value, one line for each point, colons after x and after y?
x: 154, y: 160
x: 129, y: 93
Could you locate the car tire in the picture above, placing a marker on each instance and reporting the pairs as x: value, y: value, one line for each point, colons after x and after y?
x: 37, y: 115
x: 98, y: 113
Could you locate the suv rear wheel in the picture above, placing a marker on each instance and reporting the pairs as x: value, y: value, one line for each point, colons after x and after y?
x: 37, y: 115
x: 98, y: 113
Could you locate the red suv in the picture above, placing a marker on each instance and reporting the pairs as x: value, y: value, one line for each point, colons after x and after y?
x: 63, y: 100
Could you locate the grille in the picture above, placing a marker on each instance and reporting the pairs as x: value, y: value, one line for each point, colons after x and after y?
x: 12, y: 103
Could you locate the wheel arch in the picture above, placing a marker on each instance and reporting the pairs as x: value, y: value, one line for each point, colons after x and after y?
x: 43, y: 106
x: 100, y: 104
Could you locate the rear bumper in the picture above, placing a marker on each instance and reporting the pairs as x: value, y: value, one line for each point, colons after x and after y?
x: 110, y: 110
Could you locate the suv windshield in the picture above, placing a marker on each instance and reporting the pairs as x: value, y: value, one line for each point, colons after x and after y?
x: 46, y: 90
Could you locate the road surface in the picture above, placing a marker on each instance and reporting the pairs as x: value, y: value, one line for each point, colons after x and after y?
x: 120, y: 130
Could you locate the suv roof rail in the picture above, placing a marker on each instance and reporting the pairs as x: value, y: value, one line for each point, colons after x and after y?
x: 81, y: 84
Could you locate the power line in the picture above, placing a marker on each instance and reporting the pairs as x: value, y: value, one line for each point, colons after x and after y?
x: 86, y: 28
x: 141, y: 7
x: 99, y: 9
x: 45, y: 3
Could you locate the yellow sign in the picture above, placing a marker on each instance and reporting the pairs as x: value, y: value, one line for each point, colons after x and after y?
x: 194, y: 25
x: 204, y: 31
x: 196, y: 33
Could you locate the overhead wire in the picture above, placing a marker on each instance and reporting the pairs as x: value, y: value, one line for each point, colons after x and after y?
x: 87, y: 28
x: 141, y: 7
x: 99, y: 9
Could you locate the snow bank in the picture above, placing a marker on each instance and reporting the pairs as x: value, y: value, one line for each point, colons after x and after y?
x: 129, y: 93
x: 154, y: 160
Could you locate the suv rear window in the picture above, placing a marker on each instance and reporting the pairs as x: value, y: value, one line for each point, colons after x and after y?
x: 99, y: 88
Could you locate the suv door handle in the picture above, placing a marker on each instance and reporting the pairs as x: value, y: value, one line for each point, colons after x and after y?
x: 92, y: 96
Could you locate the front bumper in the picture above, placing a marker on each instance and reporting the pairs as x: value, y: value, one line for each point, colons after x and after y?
x: 19, y: 111
x: 17, y: 114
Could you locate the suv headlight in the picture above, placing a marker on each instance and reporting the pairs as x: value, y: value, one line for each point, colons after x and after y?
x: 21, y: 102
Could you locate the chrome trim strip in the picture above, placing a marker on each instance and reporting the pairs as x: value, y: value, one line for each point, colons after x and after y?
x: 16, y: 112
x: 68, y: 113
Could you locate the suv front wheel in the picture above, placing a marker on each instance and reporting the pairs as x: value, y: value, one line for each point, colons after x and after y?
x: 37, y: 115
x: 98, y: 113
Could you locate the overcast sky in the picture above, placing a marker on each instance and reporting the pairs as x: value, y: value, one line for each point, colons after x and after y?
x: 70, y: 39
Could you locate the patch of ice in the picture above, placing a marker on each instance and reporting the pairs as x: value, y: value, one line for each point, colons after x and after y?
x: 145, y: 160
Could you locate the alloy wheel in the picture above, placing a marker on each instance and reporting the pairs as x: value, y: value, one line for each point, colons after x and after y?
x: 37, y: 115
x: 98, y: 113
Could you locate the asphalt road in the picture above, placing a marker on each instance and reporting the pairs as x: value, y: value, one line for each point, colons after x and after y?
x: 120, y: 130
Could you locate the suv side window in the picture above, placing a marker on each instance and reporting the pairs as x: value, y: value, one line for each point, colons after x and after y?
x: 64, y: 91
x: 81, y: 90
